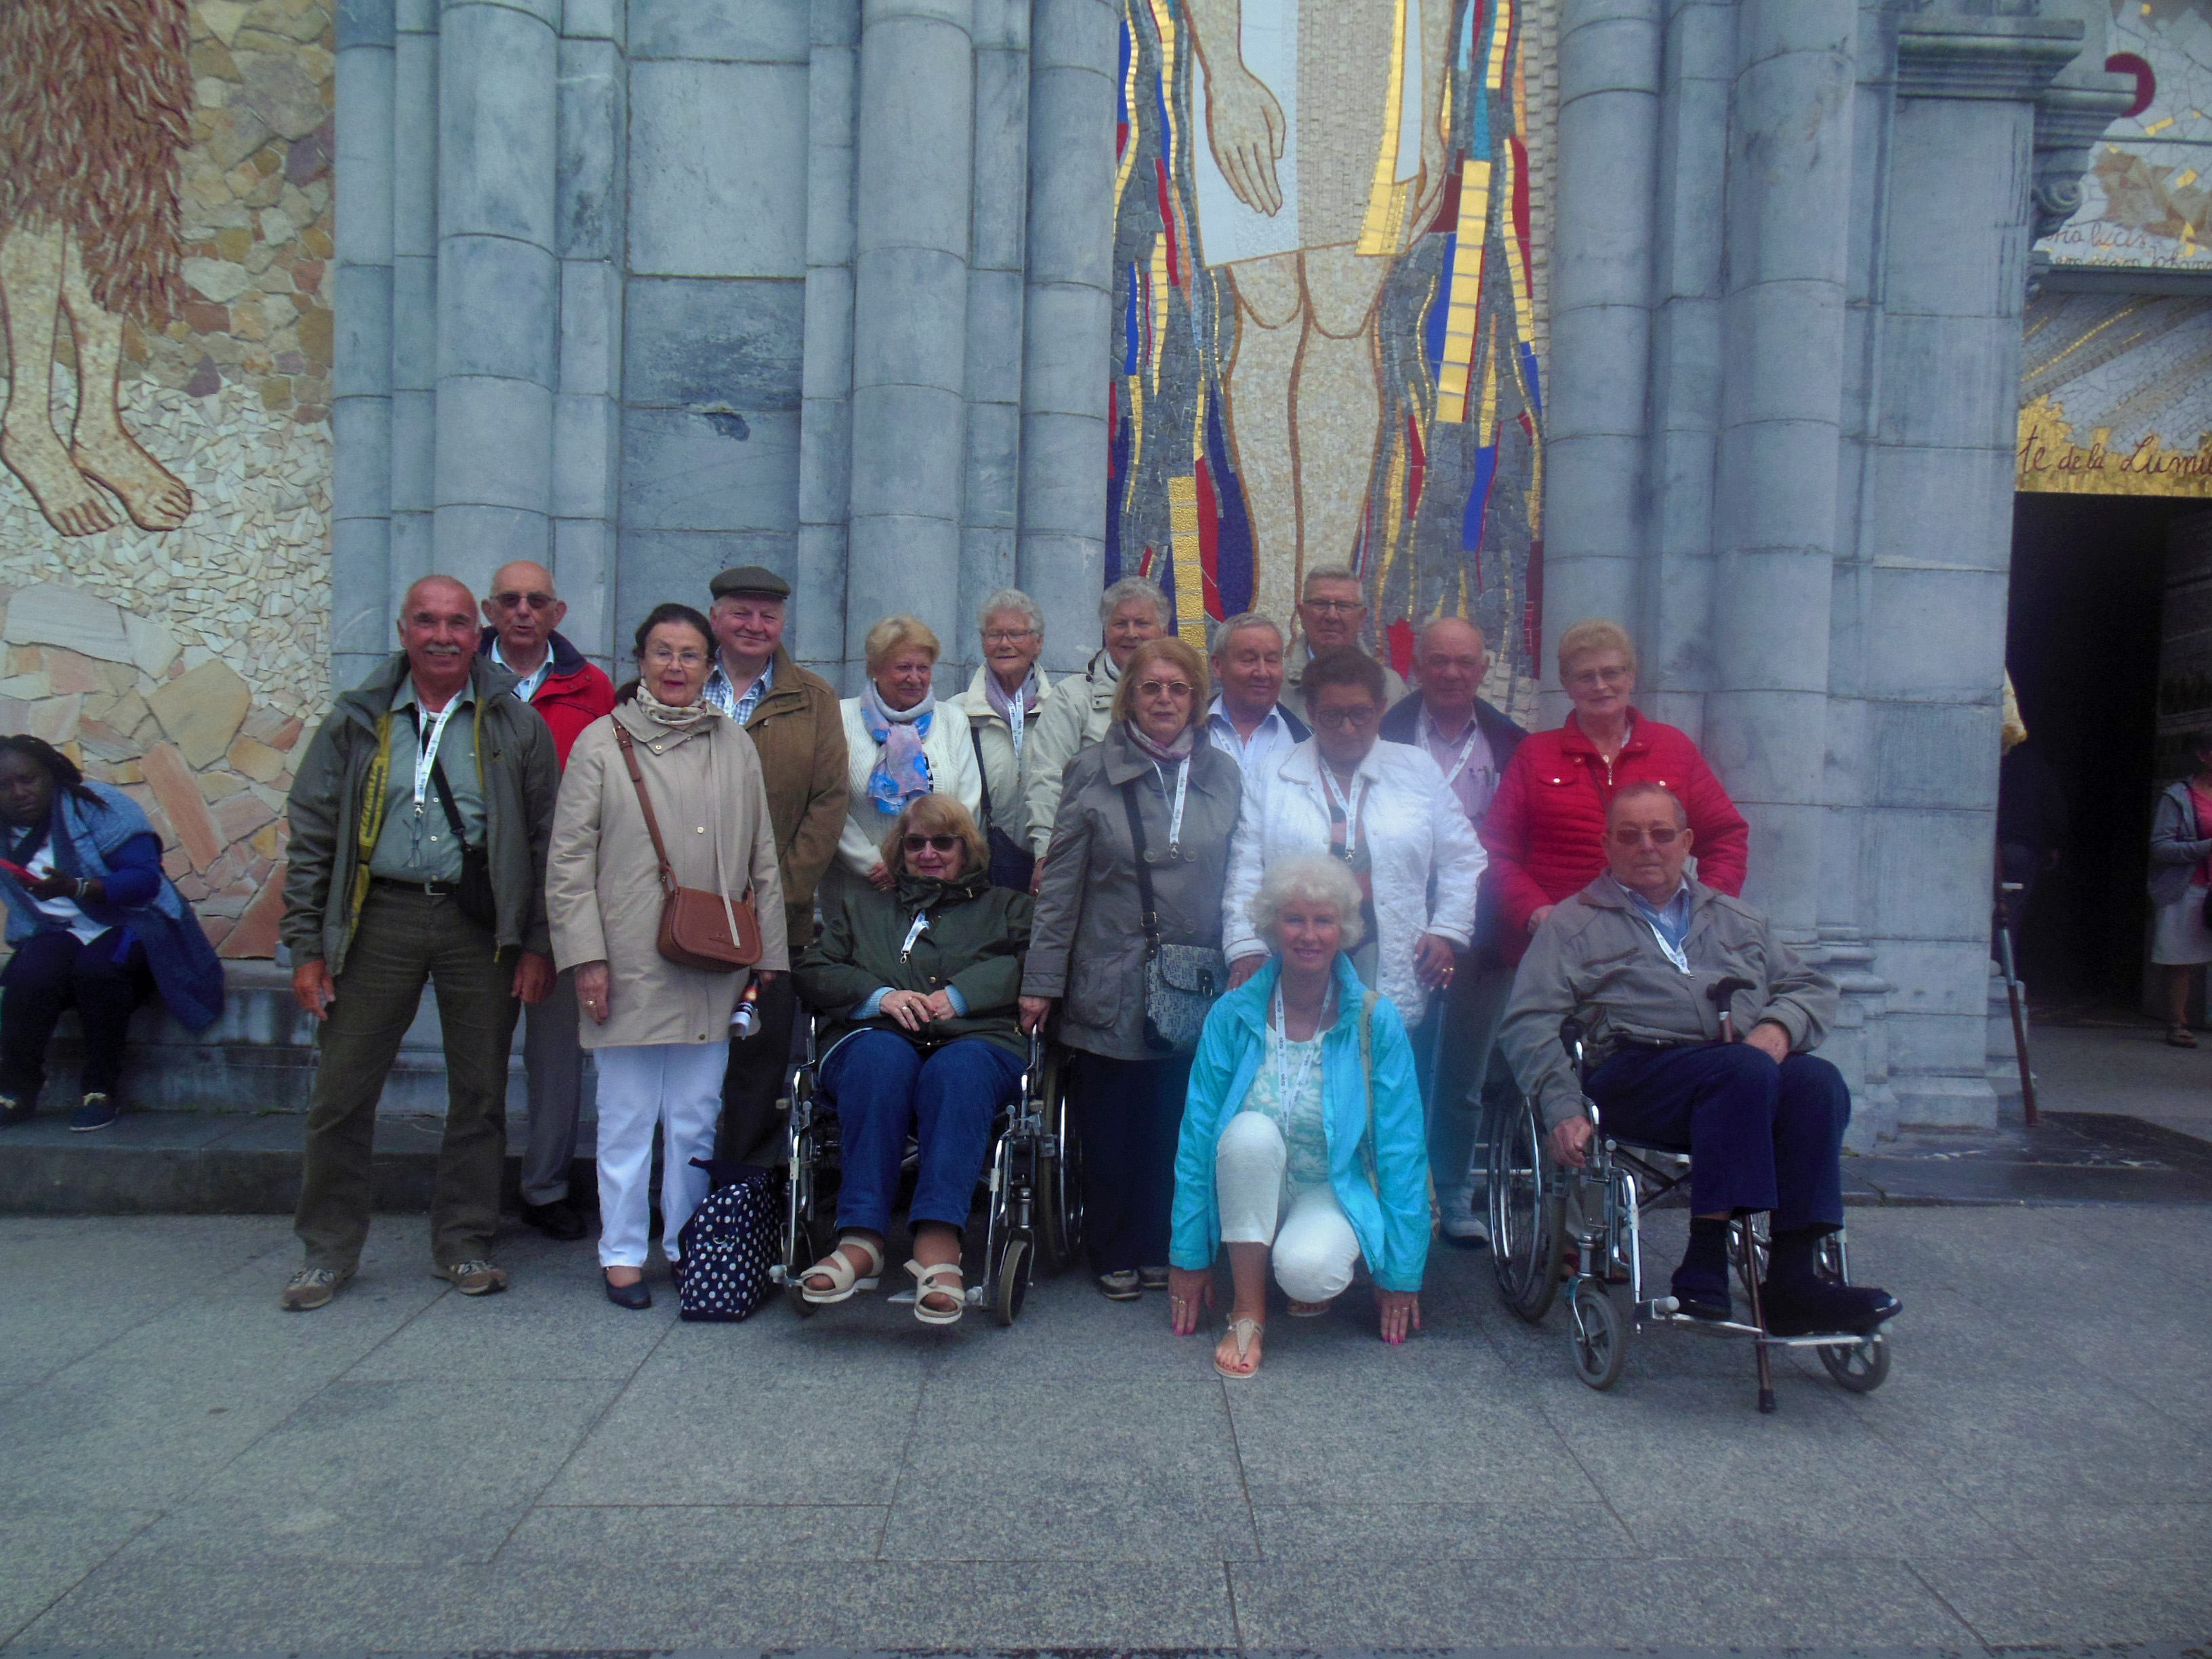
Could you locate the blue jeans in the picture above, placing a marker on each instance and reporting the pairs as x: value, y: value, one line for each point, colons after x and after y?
x: 1761, y: 1136
x: 883, y: 1088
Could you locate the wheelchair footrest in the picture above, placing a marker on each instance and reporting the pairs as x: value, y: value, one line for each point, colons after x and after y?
x: 974, y: 1295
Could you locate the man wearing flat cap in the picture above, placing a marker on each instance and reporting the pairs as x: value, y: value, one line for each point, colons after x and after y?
x: 793, y: 718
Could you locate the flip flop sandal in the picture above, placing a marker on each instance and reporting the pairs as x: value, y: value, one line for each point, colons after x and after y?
x: 943, y: 1279
x: 1242, y: 1332
x: 843, y: 1273
x: 1310, y: 1310
x: 2181, y: 1036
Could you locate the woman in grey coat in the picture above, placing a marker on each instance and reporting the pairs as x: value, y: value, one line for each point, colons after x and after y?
x: 2180, y: 874
x: 1087, y: 948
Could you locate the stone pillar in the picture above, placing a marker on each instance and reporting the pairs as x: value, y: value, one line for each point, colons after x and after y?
x: 910, y: 314
x: 1608, y: 129
x: 594, y: 125
x: 991, y: 504
x: 415, y: 293
x: 360, y: 402
x: 1775, y: 518
x: 825, y: 420
x: 1068, y: 302
x: 499, y: 284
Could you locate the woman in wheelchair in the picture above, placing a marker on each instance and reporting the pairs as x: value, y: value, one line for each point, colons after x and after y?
x: 1635, y: 958
x: 1302, y: 1135
x: 916, y: 986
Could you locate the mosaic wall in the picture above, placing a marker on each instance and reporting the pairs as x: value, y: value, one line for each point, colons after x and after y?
x: 2116, y: 395
x: 1328, y: 347
x: 165, y: 202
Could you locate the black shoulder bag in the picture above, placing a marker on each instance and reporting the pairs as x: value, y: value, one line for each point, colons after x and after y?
x: 1180, y: 980
x: 473, y: 892
x: 1011, y: 865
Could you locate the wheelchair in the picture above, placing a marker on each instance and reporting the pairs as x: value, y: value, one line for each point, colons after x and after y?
x: 1031, y: 1193
x: 1530, y: 1201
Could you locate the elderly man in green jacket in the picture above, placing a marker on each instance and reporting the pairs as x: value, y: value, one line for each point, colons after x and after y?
x: 1632, y: 957
x: 419, y: 819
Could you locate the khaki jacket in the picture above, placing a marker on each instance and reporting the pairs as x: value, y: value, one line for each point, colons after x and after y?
x: 1088, y: 944
x: 1006, y: 780
x: 603, y: 883
x: 1294, y: 674
x: 800, y: 738
x: 1076, y: 717
x: 1597, y: 958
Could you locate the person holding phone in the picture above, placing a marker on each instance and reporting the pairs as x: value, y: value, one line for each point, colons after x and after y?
x: 94, y: 924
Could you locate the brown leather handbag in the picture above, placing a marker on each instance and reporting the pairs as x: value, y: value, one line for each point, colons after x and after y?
x: 698, y: 929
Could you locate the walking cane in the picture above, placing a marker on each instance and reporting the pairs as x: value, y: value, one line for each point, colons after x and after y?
x: 2002, y: 922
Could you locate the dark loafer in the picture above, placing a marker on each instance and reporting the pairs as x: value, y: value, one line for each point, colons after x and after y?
x: 1815, y: 1307
x: 98, y: 1112
x: 1703, y: 1295
x: 636, y: 1298
x: 558, y: 1221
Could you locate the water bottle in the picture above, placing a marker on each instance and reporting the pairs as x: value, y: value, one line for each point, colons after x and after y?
x: 746, y: 1020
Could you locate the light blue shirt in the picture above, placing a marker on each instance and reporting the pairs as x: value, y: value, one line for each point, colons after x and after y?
x: 1270, y: 739
x: 525, y: 685
x: 874, y: 1005
x: 724, y: 696
x: 1671, y: 920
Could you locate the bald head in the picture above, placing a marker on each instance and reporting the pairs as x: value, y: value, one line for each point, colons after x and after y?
x: 524, y: 610
x: 438, y: 592
x: 1450, y: 660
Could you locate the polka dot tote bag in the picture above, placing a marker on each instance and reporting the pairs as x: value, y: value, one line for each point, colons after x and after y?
x: 729, y: 1244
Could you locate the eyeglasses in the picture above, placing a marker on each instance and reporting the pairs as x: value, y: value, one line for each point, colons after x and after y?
x: 1336, y: 607
x: 660, y: 656
x: 1176, y: 689
x: 1009, y: 635
x: 1628, y: 835
x: 934, y: 843
x: 1588, y: 678
x: 1340, y: 718
x: 516, y: 601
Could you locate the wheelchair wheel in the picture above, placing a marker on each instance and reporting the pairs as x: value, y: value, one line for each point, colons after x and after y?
x: 1599, y: 1332
x: 1860, y: 1367
x: 800, y: 1147
x: 1526, y: 1214
x: 799, y: 1259
x: 1010, y: 1286
x: 1060, y: 1175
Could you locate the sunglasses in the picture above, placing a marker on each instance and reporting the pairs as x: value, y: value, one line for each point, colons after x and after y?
x: 516, y: 601
x: 1629, y: 835
x: 934, y: 843
x: 1176, y: 688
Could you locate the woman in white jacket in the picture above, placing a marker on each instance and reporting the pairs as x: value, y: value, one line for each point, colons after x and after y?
x: 901, y: 743
x: 1385, y: 810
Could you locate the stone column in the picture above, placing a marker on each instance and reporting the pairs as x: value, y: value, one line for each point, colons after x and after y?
x: 1608, y: 128
x: 499, y: 284
x: 1787, y: 228
x: 414, y: 291
x: 825, y: 418
x: 593, y: 123
x: 1068, y: 308
x: 910, y: 314
x: 991, y: 505
x: 361, y: 402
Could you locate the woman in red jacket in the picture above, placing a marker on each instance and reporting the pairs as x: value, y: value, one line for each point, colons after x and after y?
x: 1546, y: 828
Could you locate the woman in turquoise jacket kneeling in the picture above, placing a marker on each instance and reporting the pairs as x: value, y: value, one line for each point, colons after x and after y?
x: 1302, y: 1135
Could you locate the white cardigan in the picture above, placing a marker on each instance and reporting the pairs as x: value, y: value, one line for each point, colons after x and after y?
x: 946, y: 751
x: 1414, y: 827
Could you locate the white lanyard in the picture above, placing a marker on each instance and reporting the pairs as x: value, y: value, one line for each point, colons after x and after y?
x: 426, y: 749
x: 1017, y: 712
x: 1291, y: 1086
x: 920, y: 926
x: 1459, y: 761
x: 1175, y: 817
x: 1349, y: 808
x: 1677, y: 954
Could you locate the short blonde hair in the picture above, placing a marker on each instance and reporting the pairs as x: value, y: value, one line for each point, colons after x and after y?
x: 1316, y: 878
x: 935, y: 815
x: 1595, y: 633
x: 1183, y: 657
x: 895, y: 633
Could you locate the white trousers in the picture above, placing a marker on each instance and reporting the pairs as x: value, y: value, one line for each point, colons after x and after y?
x: 678, y: 1086
x: 1314, y: 1246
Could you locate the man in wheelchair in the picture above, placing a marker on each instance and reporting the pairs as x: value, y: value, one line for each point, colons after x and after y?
x: 1633, y: 957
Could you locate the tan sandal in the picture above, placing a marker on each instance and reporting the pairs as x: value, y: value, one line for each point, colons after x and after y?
x: 932, y: 1281
x: 1243, y: 1333
x: 2180, y: 1036
x: 844, y: 1274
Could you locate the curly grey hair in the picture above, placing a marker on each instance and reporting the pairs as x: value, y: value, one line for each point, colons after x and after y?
x: 1316, y: 878
x: 1135, y: 587
x: 1013, y: 599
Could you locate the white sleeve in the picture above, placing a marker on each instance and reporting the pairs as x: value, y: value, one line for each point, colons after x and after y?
x: 1246, y: 859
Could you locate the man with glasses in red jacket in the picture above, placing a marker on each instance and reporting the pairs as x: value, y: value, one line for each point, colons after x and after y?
x: 524, y: 614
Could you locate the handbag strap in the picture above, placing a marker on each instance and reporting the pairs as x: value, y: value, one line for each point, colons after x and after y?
x: 1367, y: 1077
x: 982, y: 772
x: 445, y: 799
x: 1149, y: 907
x: 668, y: 881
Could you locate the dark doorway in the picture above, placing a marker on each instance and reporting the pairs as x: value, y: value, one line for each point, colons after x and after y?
x: 2081, y: 640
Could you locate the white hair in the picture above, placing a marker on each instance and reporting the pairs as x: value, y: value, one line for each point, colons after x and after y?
x: 1315, y: 878
x: 1134, y: 587
x: 1011, y: 599
x: 1327, y: 573
x: 1238, y: 623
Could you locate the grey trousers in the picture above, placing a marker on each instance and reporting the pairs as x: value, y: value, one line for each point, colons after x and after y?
x: 554, y: 1059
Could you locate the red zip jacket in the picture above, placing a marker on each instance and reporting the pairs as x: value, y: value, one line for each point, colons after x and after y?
x: 570, y: 697
x: 1545, y: 828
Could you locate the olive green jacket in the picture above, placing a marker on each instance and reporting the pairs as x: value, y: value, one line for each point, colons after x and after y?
x: 974, y: 943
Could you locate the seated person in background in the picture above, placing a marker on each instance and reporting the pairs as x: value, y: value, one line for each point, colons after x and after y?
x: 1631, y: 957
x: 1302, y: 1136
x: 918, y: 986
x: 94, y: 924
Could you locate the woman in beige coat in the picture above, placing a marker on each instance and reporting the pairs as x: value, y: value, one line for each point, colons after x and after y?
x: 659, y: 1031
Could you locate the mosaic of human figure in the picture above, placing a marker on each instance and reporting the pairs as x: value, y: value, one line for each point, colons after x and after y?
x: 96, y: 106
x: 1296, y: 96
